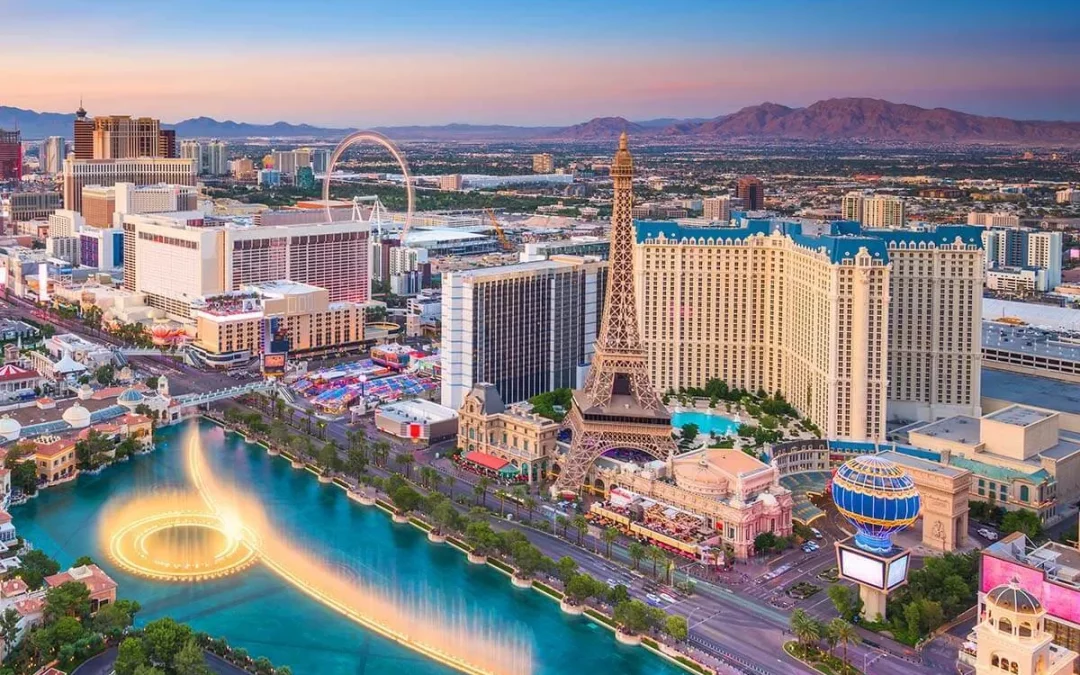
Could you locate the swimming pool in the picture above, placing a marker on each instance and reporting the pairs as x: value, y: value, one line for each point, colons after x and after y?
x: 707, y: 423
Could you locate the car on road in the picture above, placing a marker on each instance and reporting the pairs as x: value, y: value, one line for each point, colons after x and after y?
x: 987, y: 534
x: 612, y: 583
x: 652, y: 600
x: 666, y: 598
x: 817, y: 533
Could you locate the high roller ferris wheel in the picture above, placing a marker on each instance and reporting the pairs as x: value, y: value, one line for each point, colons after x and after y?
x: 392, y: 148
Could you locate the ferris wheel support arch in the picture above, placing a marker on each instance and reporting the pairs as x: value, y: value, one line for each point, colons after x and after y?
x: 378, y: 139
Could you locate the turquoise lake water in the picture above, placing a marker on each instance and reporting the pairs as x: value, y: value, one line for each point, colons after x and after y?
x: 258, y: 611
x: 706, y: 423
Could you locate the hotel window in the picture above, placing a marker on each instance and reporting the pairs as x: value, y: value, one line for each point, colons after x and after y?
x: 1025, y: 493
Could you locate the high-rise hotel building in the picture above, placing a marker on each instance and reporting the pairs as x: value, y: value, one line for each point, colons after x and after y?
x: 852, y: 327
x: 79, y: 173
x: 526, y: 328
x: 175, y: 258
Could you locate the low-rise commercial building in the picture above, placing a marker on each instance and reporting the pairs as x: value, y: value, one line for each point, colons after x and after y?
x: 520, y: 443
x: 417, y: 420
x: 699, y: 503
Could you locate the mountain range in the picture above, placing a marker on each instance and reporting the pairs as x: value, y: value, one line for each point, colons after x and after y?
x: 838, y: 119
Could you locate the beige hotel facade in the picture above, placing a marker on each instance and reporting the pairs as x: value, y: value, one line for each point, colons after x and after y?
x: 853, y: 327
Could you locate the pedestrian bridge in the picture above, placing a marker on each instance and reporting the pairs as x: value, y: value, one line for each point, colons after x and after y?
x: 203, y: 398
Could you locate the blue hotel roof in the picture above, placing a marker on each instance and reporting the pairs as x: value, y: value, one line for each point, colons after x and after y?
x: 843, y: 241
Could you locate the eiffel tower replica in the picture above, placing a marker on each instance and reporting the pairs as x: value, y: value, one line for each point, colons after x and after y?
x: 618, y: 407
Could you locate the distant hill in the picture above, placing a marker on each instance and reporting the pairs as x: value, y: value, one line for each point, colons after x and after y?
x: 598, y: 129
x: 831, y: 120
x: 877, y: 120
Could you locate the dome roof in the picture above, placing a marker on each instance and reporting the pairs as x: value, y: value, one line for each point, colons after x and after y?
x: 130, y: 396
x: 877, y: 497
x: 9, y: 427
x: 1012, y: 598
x: 77, y: 416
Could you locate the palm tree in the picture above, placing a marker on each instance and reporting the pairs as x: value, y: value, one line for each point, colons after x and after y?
x: 655, y: 555
x: 805, y: 628
x: 582, y: 526
x: 501, y: 494
x: 481, y: 489
x: 844, y: 633
x: 321, y: 426
x: 382, y: 452
x: 610, y: 535
x: 405, y: 461
x: 530, y: 505
x: 563, y: 522
x: 636, y: 552
x: 436, y: 480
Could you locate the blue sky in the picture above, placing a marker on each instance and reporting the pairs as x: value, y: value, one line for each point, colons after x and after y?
x: 556, y: 62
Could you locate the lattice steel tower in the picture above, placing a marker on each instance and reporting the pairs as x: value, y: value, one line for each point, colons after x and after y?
x: 618, y: 407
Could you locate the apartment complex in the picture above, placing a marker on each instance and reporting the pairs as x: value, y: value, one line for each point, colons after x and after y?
x: 873, y: 210
x: 718, y: 209
x: 526, y: 328
x: 78, y: 173
x: 211, y: 157
x: 752, y: 193
x: 235, y: 326
x: 853, y: 327
x: 543, y: 163
x: 993, y: 219
x: 1016, y: 249
x: 177, y: 257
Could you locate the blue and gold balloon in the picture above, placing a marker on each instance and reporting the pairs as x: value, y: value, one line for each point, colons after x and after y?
x: 877, y: 497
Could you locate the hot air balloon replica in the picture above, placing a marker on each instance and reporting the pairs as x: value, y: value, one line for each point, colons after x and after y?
x: 879, y: 499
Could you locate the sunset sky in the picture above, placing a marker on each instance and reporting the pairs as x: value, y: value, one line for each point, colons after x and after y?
x: 359, y: 62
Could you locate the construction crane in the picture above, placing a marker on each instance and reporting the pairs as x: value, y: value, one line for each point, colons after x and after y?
x: 504, y: 243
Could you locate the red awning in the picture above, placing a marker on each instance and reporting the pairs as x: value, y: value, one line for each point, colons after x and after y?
x: 485, y: 460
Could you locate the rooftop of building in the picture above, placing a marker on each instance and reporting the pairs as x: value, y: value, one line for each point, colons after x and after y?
x: 283, y: 287
x: 1031, y: 341
x: 1046, y: 317
x: 841, y: 240
x: 960, y: 429
x: 1018, y: 415
x: 506, y: 270
x: 1059, y: 562
x: 93, y: 577
x: 921, y: 464
x: 416, y: 410
x: 1042, y: 392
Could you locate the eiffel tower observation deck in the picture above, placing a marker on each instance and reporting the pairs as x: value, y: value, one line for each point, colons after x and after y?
x: 618, y: 407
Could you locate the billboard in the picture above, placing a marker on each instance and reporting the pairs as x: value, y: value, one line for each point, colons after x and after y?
x: 273, y: 365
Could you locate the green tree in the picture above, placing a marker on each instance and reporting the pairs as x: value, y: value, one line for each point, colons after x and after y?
x: 147, y: 669
x: 405, y: 461
x: 24, y: 477
x: 610, y: 536
x: 846, y: 601
x: 356, y: 463
x: 35, y: 567
x: 65, y: 630
x: 527, y: 559
x: 676, y: 627
x: 164, y: 638
x: 9, y: 625
x: 844, y: 633
x: 582, y: 526
x: 190, y: 660
x: 68, y: 599
x: 579, y: 588
x: 618, y: 594
x: 637, y: 553
x: 632, y: 616
x: 562, y: 522
x: 113, y: 618
x: 1022, y: 520
x: 328, y: 457
x: 805, y: 629
x: 129, y: 656
x: 765, y: 542
x: 656, y: 555
x: 689, y: 432
x: 481, y: 537
x: 565, y: 568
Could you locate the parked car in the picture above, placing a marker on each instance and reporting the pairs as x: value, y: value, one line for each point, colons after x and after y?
x: 988, y: 534
x: 817, y: 533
